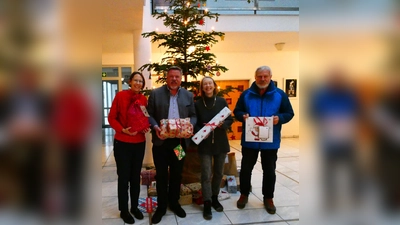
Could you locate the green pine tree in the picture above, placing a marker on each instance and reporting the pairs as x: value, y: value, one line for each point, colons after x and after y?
x: 187, y: 46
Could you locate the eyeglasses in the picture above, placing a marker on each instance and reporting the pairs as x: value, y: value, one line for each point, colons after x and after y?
x: 138, y: 81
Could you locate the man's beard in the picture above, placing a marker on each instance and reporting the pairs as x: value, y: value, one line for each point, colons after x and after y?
x: 262, y: 86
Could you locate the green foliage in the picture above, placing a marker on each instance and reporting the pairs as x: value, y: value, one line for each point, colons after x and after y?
x: 184, y: 23
x: 225, y: 92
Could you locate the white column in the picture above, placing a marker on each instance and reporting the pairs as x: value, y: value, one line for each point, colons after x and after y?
x: 141, y: 54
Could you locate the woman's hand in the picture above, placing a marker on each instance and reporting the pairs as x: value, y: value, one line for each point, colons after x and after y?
x: 128, y: 132
x: 145, y: 130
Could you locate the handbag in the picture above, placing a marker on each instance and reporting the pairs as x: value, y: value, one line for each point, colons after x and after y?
x: 136, y: 118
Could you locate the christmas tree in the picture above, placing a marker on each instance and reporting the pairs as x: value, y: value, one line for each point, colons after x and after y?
x: 187, y: 45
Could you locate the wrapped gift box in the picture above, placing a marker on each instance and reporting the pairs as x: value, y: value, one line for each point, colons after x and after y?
x: 223, y: 182
x: 142, y: 204
x: 259, y: 129
x: 185, y: 199
x: 185, y: 129
x: 232, y: 185
x: 210, y: 126
x: 185, y: 190
x: 198, y: 198
x: 197, y: 195
x: 223, y: 195
x: 230, y: 167
x: 152, y: 191
x: 237, y: 183
x: 176, y: 128
x: 148, y: 176
x: 194, y: 187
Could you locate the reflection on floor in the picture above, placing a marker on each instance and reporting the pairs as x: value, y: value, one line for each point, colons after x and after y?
x: 286, y: 192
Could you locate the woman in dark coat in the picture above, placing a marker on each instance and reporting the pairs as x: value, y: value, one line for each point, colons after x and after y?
x: 212, y: 148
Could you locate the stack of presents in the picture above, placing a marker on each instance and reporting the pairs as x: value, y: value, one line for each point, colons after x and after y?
x: 191, y: 192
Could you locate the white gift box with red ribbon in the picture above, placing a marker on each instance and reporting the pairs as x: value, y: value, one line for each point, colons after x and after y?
x: 210, y: 126
x: 259, y: 129
x: 176, y: 128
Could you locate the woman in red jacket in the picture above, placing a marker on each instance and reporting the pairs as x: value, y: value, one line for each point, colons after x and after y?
x: 128, y: 118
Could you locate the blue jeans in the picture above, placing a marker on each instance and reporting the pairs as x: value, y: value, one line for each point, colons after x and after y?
x: 268, y: 162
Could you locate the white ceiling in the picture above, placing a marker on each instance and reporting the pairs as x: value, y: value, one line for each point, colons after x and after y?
x: 123, y: 16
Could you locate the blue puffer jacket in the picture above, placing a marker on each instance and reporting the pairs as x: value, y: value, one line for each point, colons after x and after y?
x: 274, y: 102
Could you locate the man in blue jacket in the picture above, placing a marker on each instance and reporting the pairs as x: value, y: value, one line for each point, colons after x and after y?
x: 265, y: 100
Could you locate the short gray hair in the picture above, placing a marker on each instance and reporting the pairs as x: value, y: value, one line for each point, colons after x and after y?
x: 262, y: 68
x: 175, y: 68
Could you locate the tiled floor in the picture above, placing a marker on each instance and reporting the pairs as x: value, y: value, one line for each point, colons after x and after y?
x: 286, y: 192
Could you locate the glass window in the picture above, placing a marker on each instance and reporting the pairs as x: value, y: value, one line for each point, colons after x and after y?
x: 110, y: 71
x: 126, y: 73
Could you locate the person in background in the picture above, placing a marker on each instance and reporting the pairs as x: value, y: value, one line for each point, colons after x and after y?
x: 265, y: 100
x: 26, y: 126
x: 214, y: 147
x: 128, y: 120
x: 337, y: 112
x: 71, y: 123
x: 169, y: 102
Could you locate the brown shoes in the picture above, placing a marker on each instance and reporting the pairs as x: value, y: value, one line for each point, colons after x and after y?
x: 241, y: 203
x: 269, y: 205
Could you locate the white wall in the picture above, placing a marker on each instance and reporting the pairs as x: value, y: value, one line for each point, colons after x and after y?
x: 117, y: 58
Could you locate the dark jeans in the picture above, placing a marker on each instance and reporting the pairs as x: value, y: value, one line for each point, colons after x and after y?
x: 336, y: 158
x: 168, y: 186
x: 74, y: 157
x: 129, y: 159
x: 212, y: 167
x: 268, y: 162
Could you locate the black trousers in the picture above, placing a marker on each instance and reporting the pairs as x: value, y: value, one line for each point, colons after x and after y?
x: 168, y: 185
x: 74, y: 157
x: 129, y: 160
x: 268, y: 163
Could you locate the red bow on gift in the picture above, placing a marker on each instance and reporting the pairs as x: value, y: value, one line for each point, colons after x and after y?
x: 257, y: 121
x: 212, y: 125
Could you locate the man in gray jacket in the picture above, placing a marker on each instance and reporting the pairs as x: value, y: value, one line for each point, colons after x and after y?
x: 169, y: 102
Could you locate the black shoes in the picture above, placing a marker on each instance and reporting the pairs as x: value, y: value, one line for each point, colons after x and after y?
x: 157, y: 216
x: 127, y: 217
x: 136, y: 213
x: 269, y: 205
x: 215, y: 204
x: 207, y: 210
x: 178, y: 211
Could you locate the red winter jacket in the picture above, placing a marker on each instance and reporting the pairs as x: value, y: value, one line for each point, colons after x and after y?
x: 118, y: 116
